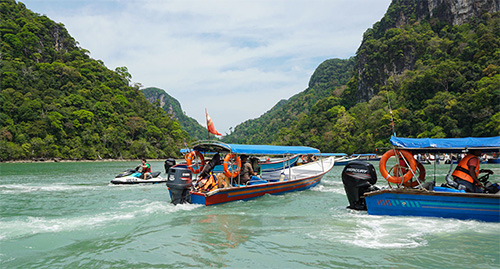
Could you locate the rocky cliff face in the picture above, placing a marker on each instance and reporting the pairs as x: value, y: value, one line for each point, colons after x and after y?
x: 172, y: 106
x: 373, y: 73
x: 456, y: 12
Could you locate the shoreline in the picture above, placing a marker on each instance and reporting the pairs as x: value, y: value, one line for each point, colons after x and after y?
x: 82, y: 161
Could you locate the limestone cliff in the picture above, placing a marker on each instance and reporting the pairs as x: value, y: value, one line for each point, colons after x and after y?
x: 373, y: 72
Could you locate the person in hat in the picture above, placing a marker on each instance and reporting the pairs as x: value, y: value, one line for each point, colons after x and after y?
x: 246, y: 170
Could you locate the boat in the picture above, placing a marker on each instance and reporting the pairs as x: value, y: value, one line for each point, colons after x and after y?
x: 339, y: 158
x: 345, y: 160
x: 367, y: 156
x: 494, y: 160
x: 419, y: 198
x: 183, y: 179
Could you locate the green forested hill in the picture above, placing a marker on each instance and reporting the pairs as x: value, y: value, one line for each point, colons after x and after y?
x: 171, y: 106
x: 441, y: 80
x: 55, y: 101
x: 439, y: 72
x: 264, y: 130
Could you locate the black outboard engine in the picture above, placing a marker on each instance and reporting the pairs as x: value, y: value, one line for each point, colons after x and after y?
x: 358, y: 177
x: 169, y: 163
x: 179, y: 184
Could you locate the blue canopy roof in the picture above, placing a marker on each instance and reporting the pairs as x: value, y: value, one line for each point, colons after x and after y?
x: 447, y: 144
x: 215, y: 146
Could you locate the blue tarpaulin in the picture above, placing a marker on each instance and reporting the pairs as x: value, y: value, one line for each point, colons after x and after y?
x: 447, y: 144
x: 253, y: 149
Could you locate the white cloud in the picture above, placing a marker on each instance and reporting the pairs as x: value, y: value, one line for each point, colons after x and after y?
x: 235, y: 58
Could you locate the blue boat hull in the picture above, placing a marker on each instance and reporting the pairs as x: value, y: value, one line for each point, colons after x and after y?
x: 496, y: 160
x: 397, y: 202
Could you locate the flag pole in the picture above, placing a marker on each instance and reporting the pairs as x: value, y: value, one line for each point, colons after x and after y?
x: 208, y: 133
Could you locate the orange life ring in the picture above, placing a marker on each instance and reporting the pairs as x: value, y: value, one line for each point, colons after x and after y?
x: 421, y: 176
x: 393, y: 179
x: 191, y: 157
x: 229, y: 170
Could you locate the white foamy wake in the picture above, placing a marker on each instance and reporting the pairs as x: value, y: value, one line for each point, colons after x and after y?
x: 386, y: 232
x: 127, y: 210
x: 25, y: 188
x: 330, y: 188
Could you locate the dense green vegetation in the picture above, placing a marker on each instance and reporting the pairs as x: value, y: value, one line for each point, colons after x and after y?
x: 440, y: 80
x: 264, y: 130
x: 57, y: 102
x: 171, y: 106
x: 431, y: 78
x: 451, y: 88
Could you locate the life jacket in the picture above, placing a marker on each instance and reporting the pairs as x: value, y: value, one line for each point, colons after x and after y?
x: 208, y: 184
x: 462, y: 170
x: 147, y: 169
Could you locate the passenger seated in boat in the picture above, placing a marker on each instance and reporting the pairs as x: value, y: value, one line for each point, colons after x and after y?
x: 310, y: 158
x: 210, y: 165
x: 247, y: 172
x: 207, y: 184
x: 212, y: 182
x: 467, y: 172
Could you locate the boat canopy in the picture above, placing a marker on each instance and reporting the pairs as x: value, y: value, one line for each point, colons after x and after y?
x: 215, y: 146
x: 485, y: 144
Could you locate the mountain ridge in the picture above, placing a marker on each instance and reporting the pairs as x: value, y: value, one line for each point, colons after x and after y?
x: 173, y: 107
x: 57, y: 102
x: 431, y: 68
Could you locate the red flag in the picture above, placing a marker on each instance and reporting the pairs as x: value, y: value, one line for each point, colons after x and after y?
x: 210, y: 125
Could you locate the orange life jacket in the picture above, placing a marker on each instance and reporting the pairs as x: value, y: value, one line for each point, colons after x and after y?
x: 462, y: 170
x: 209, y: 183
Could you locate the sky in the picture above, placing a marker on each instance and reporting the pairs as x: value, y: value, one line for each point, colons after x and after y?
x: 235, y: 58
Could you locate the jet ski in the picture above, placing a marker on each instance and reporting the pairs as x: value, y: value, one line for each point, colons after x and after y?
x: 133, y: 176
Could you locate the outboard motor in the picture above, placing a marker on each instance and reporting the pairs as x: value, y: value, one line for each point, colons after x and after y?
x: 358, y: 177
x: 169, y: 163
x: 179, y: 184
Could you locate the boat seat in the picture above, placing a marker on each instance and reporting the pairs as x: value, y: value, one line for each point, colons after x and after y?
x: 444, y: 189
x: 256, y: 182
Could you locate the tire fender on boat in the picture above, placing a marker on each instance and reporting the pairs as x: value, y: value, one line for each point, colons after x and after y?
x: 229, y: 170
x: 421, y: 176
x: 393, y: 179
x: 191, y: 157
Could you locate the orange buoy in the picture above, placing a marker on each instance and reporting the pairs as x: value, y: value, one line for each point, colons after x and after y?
x: 397, y: 179
x: 229, y: 161
x: 192, y: 157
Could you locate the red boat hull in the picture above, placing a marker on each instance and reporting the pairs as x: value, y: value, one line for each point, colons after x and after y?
x: 254, y: 191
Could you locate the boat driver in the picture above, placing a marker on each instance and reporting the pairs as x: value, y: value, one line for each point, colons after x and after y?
x: 247, y: 170
x: 146, y: 169
x: 467, y: 172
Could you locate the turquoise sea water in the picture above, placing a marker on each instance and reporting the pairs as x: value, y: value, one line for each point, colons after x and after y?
x: 68, y: 215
